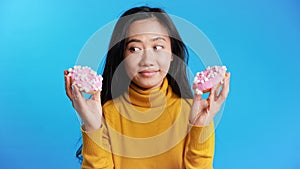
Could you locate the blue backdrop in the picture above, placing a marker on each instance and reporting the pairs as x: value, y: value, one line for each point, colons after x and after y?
x: 259, y: 42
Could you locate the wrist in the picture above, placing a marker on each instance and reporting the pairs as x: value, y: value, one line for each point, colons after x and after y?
x: 90, y: 128
x: 201, y: 121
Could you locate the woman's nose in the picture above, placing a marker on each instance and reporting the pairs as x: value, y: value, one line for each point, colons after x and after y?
x: 147, y: 58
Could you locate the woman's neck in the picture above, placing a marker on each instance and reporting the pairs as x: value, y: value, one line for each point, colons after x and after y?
x: 147, y: 98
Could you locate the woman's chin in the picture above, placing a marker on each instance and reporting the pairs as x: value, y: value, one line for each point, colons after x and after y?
x: 148, y: 84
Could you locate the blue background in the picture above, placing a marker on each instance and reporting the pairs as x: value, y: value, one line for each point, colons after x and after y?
x: 257, y: 40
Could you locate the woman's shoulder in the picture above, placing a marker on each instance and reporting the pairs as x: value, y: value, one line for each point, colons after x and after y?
x: 189, y: 101
x: 108, y: 104
x: 110, y: 108
x: 176, y: 98
x: 185, y: 102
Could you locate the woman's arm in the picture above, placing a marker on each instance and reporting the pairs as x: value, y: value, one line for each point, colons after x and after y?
x: 96, y: 149
x: 199, y: 148
x: 96, y: 145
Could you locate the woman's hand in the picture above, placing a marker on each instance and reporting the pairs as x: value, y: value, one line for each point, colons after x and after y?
x: 89, y: 110
x: 204, y: 110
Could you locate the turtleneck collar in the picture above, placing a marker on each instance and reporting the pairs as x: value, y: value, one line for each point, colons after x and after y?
x: 147, y: 98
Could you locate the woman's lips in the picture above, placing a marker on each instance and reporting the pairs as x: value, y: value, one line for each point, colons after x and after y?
x: 148, y: 73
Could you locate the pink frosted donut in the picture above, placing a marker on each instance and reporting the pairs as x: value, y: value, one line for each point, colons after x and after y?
x: 86, y: 79
x: 208, y: 78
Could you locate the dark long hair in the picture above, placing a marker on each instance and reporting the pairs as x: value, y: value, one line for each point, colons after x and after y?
x: 177, y: 76
x: 117, y: 46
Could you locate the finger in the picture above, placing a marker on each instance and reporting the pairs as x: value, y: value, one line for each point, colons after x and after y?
x: 197, y: 96
x: 195, y: 107
x: 77, y: 95
x: 68, y: 86
x: 212, y: 94
x: 96, y: 96
x: 217, y: 91
x: 225, y: 89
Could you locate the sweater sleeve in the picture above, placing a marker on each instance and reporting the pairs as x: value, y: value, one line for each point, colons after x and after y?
x: 96, y: 149
x: 199, y: 148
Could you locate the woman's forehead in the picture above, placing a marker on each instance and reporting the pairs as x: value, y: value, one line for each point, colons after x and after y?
x: 146, y: 27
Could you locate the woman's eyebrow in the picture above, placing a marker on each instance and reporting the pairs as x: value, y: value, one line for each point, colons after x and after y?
x: 158, y: 38
x: 153, y: 39
x: 133, y: 40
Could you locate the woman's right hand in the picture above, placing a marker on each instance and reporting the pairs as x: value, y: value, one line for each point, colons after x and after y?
x: 89, y: 110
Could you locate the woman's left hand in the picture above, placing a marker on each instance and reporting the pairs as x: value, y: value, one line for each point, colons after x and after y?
x: 204, y: 110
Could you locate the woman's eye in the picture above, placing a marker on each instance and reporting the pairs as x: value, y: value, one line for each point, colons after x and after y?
x: 134, y: 49
x: 158, y: 47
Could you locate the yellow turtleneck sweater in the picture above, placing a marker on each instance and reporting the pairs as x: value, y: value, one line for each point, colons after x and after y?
x: 148, y: 130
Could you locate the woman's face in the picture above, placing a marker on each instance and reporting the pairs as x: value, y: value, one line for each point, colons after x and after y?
x: 148, y: 53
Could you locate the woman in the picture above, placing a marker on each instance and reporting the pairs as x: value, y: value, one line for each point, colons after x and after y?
x: 148, y: 117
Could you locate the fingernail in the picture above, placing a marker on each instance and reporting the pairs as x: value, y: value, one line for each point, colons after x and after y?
x: 73, y: 86
x: 198, y: 92
x: 66, y: 72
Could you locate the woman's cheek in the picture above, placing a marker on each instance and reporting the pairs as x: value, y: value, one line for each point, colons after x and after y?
x: 131, y: 68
